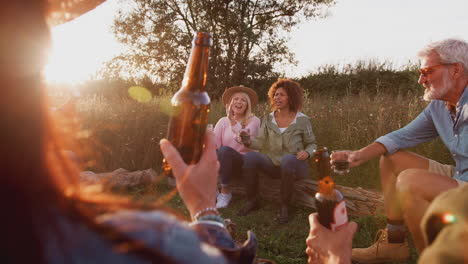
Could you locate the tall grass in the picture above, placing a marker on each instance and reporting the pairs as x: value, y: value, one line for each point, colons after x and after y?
x: 126, y: 133
x: 349, y: 107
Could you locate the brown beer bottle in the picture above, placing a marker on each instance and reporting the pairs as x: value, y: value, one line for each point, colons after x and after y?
x: 191, y: 104
x: 331, y: 206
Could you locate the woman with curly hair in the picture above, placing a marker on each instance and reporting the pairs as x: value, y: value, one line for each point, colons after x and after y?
x: 285, y: 141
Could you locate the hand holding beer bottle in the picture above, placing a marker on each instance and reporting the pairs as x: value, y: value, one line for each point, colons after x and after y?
x: 326, y: 246
x: 331, y: 206
x: 244, y: 136
x: 191, y: 104
x: 230, y: 114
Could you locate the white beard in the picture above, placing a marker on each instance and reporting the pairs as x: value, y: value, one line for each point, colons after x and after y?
x: 438, y: 94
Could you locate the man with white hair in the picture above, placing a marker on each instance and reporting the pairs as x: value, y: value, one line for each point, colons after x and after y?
x: 409, y: 181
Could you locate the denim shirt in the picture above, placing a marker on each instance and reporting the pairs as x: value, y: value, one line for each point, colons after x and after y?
x: 434, y: 121
x: 197, y: 243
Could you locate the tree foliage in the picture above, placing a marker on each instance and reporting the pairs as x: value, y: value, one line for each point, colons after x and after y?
x: 249, y: 38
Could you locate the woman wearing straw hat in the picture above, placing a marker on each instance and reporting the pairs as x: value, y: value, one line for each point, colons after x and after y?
x: 286, y: 141
x: 239, y: 102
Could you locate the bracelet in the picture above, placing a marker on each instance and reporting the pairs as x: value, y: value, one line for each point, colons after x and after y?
x: 208, y: 209
x: 211, y: 217
x: 207, y: 222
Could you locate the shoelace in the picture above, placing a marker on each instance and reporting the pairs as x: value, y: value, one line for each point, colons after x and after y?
x: 379, y: 238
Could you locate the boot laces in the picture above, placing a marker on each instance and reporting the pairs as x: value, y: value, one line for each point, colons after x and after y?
x: 380, y: 237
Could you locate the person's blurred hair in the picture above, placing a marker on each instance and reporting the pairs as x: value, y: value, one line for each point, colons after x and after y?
x: 37, y: 178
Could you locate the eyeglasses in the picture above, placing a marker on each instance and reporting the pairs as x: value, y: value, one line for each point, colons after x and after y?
x: 429, y: 70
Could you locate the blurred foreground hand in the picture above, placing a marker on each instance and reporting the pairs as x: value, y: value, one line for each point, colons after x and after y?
x: 196, y: 183
x: 326, y: 246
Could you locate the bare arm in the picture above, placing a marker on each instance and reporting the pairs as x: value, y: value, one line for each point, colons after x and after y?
x: 367, y: 153
x: 357, y: 157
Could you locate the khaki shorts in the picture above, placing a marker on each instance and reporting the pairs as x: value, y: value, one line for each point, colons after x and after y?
x: 443, y: 169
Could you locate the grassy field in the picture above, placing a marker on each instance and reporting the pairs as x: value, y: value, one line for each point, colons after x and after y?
x: 124, y: 133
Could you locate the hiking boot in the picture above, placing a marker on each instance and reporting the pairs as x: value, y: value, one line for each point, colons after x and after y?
x: 381, y: 251
x: 223, y: 199
x: 283, y: 217
x: 248, y: 208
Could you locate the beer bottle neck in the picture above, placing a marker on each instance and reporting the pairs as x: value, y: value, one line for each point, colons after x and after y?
x: 323, y: 165
x: 197, y: 68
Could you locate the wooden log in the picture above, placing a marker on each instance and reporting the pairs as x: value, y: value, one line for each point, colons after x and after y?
x: 359, y: 201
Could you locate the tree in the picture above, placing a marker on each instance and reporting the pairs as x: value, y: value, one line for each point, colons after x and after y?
x: 249, y: 38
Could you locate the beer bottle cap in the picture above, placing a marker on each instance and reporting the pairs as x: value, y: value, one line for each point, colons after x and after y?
x: 203, y: 39
x: 326, y: 185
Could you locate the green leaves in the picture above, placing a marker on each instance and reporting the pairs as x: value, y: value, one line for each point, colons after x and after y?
x: 250, y: 38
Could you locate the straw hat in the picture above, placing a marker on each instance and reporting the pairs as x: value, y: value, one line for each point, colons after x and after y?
x: 229, y: 92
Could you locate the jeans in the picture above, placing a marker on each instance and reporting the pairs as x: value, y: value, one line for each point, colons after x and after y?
x: 289, y: 165
x: 230, y: 162
x: 290, y: 169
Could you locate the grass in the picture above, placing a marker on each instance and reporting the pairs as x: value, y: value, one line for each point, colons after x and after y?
x: 284, y: 244
x: 125, y: 134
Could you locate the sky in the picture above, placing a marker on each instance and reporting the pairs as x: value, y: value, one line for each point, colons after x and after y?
x: 391, y: 30
x: 387, y: 30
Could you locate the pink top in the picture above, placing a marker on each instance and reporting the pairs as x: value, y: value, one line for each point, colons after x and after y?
x: 225, y: 134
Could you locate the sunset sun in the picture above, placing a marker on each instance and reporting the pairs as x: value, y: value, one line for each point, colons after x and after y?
x: 80, y: 47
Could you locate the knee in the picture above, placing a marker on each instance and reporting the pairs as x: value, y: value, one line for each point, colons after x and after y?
x: 389, y: 160
x: 225, y: 150
x: 289, y: 163
x: 250, y: 160
x: 393, y: 163
x: 407, y: 186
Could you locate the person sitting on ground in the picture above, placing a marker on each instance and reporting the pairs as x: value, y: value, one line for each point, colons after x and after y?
x: 239, y: 102
x: 444, y: 227
x: 286, y: 141
x: 47, y: 217
x: 409, y: 181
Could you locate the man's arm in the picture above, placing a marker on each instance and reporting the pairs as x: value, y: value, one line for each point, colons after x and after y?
x: 368, y: 152
x: 357, y: 157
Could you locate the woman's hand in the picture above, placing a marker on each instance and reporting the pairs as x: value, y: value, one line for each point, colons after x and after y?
x: 326, y: 246
x: 196, y: 183
x: 230, y: 114
x: 302, y: 155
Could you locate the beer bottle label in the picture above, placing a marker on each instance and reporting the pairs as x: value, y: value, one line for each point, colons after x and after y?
x: 339, y: 215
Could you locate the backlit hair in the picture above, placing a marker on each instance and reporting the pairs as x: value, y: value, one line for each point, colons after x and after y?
x: 294, y: 91
x: 450, y: 51
x: 39, y: 184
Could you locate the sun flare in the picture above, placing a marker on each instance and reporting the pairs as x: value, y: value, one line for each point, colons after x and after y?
x: 80, y: 47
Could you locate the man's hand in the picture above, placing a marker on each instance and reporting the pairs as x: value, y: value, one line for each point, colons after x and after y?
x: 357, y: 157
x: 353, y: 157
x: 196, y: 183
x: 326, y: 246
